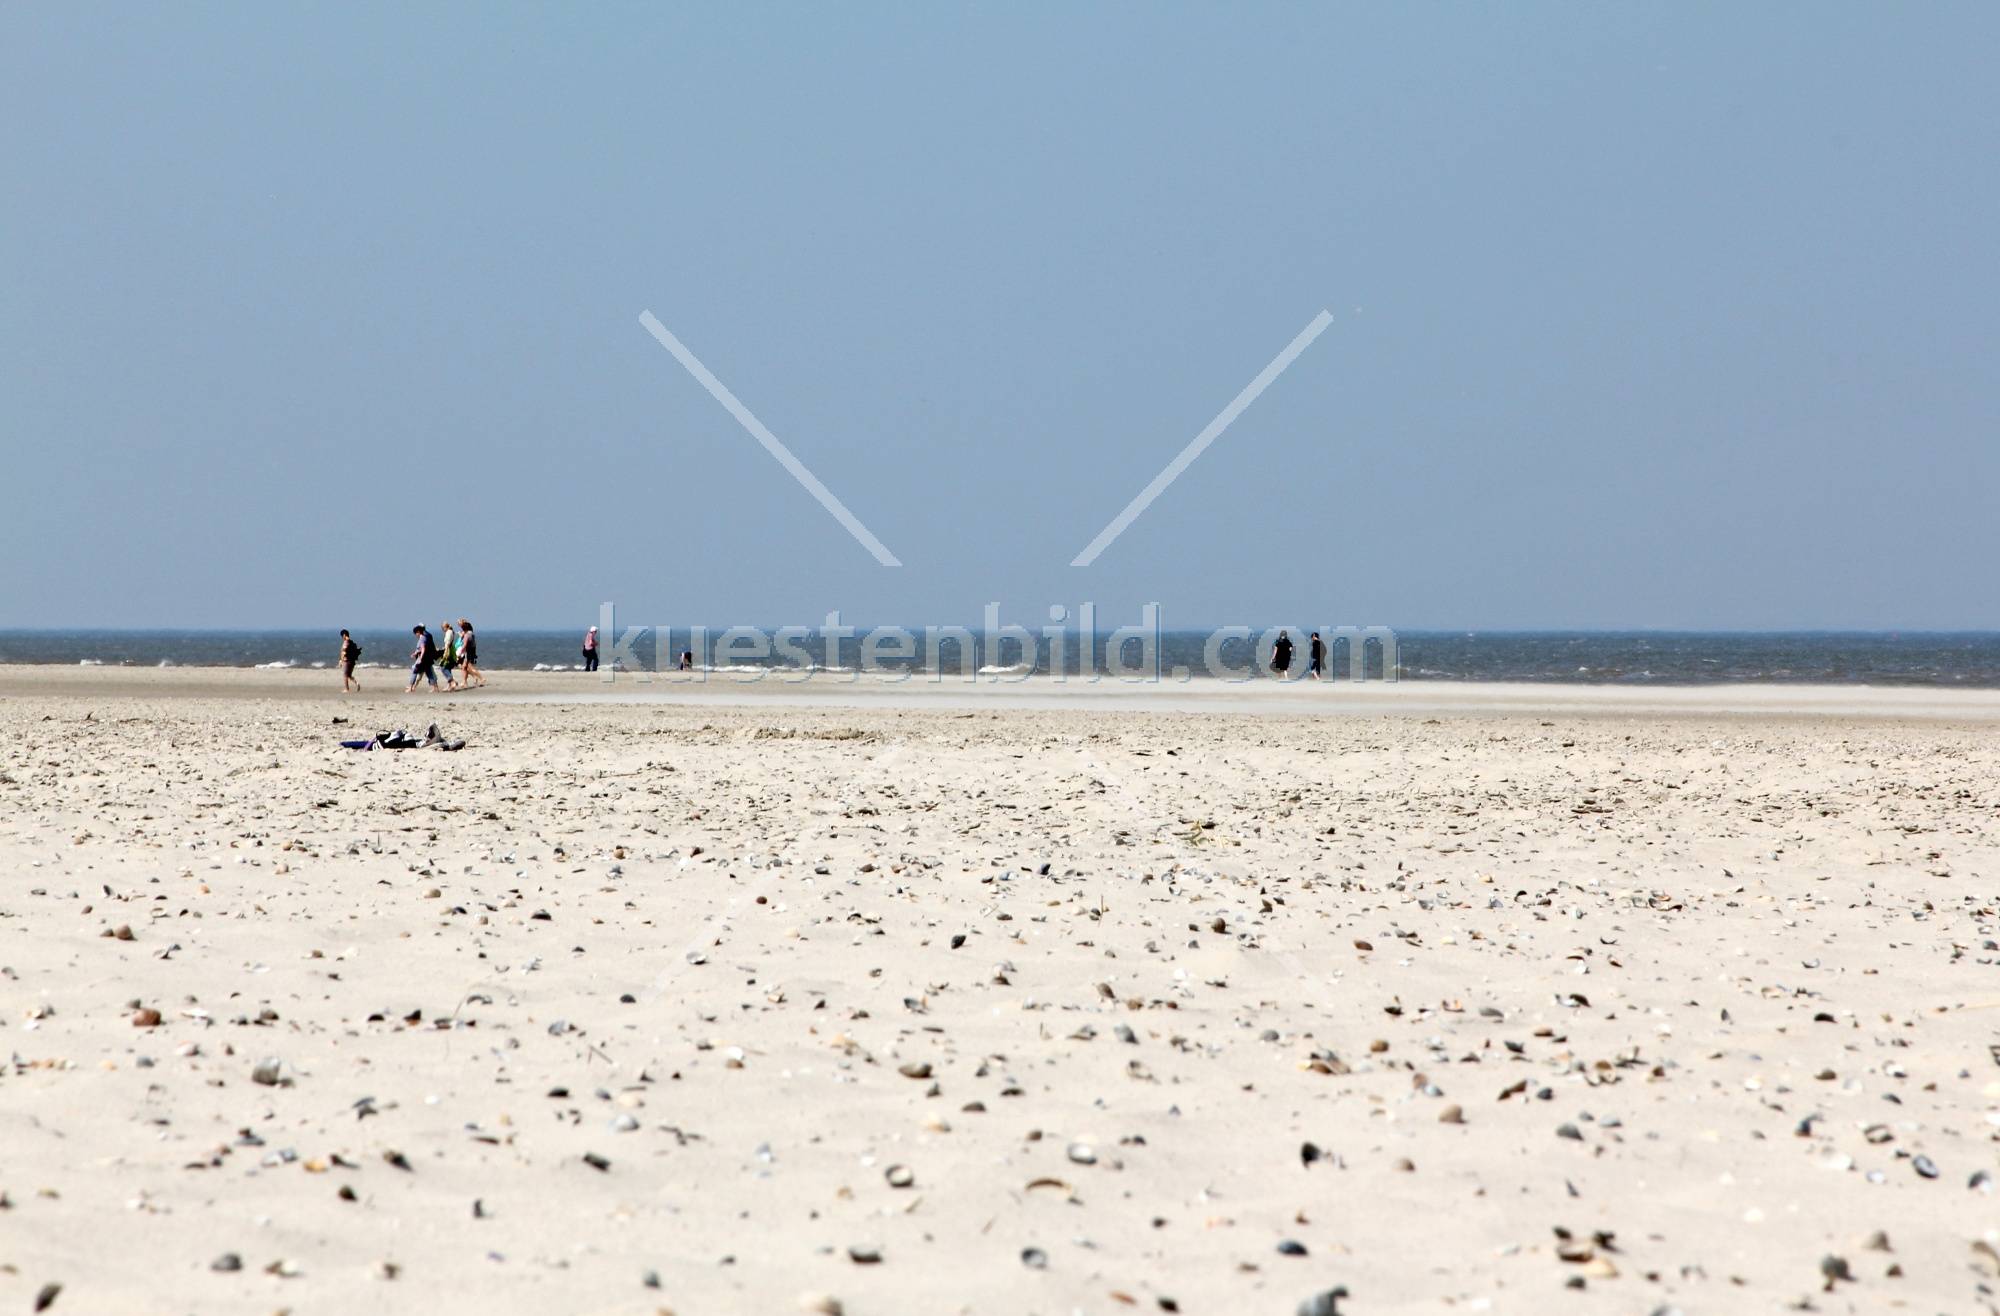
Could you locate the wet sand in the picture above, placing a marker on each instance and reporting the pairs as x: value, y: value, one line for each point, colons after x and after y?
x: 383, y: 688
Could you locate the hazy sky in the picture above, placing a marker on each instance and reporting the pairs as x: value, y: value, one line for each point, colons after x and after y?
x: 1642, y: 315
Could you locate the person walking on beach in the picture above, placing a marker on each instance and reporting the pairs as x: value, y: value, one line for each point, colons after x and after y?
x: 448, y: 659
x: 468, y: 656
x: 1281, y: 655
x: 1316, y: 657
x: 350, y: 654
x: 423, y: 660
x: 590, y: 650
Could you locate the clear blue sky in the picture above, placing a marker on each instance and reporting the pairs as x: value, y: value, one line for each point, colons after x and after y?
x: 1642, y: 315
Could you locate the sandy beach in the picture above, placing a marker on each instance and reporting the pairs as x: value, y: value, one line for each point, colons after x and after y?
x: 709, y: 997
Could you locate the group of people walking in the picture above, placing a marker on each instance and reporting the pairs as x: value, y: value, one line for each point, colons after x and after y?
x: 1281, y: 657
x: 457, y: 656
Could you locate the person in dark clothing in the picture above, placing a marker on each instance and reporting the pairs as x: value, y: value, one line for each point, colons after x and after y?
x: 350, y: 653
x: 590, y: 650
x: 468, y: 655
x: 1281, y: 655
x: 1316, y: 657
x: 423, y: 660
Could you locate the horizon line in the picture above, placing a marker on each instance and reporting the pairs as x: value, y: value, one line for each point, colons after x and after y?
x: 978, y: 626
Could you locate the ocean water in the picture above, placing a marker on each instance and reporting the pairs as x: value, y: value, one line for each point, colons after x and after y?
x: 1963, y: 659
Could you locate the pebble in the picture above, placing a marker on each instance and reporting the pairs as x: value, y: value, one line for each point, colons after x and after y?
x: 227, y: 1262
x: 900, y: 1176
x: 1034, y: 1258
x: 1326, y: 1303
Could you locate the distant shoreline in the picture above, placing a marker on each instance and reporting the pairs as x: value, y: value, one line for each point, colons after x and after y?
x: 1650, y: 660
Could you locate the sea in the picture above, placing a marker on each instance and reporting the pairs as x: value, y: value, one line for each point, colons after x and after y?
x: 1632, y: 658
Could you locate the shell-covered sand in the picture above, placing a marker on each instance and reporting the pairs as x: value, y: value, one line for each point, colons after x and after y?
x: 909, y: 1006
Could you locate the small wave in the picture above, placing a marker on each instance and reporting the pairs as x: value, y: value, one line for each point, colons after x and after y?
x: 166, y: 662
x: 319, y: 665
x: 1014, y: 669
x: 277, y: 666
x: 90, y: 662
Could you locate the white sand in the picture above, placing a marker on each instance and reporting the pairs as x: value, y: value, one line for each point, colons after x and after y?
x: 1622, y: 914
